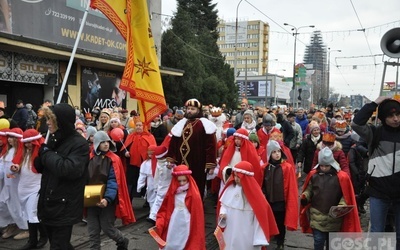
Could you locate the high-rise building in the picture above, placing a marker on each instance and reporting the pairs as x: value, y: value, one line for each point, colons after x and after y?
x: 252, y: 45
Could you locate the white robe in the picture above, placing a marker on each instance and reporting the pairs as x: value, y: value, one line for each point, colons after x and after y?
x: 242, y: 229
x: 28, y: 189
x: 9, y: 194
x: 162, y: 179
x: 5, y: 217
x: 146, y: 177
x: 236, y: 158
x: 179, y: 225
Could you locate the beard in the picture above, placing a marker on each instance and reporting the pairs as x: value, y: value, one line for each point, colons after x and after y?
x: 191, y: 116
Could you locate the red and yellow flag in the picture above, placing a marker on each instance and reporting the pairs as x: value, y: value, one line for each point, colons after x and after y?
x: 141, y: 78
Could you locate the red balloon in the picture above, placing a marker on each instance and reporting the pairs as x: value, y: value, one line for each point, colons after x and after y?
x: 117, y: 134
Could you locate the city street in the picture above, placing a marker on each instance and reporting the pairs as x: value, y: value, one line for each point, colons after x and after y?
x: 141, y: 240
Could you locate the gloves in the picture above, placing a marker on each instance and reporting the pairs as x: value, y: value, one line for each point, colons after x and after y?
x: 43, y: 149
x: 37, y: 162
x: 303, y: 200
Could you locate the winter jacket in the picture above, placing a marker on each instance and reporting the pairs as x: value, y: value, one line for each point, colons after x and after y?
x: 306, y: 153
x: 303, y: 122
x: 346, y: 141
x: 20, y: 116
x: 384, y: 161
x: 63, y: 164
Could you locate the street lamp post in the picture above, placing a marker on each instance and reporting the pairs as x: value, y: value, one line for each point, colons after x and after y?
x: 295, y: 33
x: 236, y: 38
x: 329, y: 69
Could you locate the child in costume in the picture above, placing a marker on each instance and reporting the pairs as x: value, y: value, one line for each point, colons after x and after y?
x: 180, y: 220
x: 146, y: 177
x: 248, y: 217
x: 281, y: 190
x: 162, y: 180
x: 9, y: 193
x: 105, y: 167
x: 326, y: 186
x: 28, y: 188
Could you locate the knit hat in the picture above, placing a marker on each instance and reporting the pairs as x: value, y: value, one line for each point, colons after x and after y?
x: 313, y: 125
x: 387, y: 108
x: 230, y: 132
x: 193, y: 102
x: 106, y: 111
x: 248, y: 112
x: 179, y: 112
x: 160, y: 151
x: 341, y: 125
x: 100, y: 137
x: 268, y: 120
x: 124, y: 111
x: 115, y: 117
x: 28, y: 106
x: 325, y: 157
x: 329, y: 137
x: 254, y: 138
x: 79, y: 125
x: 272, y: 146
x: 90, y: 131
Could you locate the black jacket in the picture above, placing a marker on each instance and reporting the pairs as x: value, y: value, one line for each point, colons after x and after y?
x: 306, y: 153
x: 63, y: 164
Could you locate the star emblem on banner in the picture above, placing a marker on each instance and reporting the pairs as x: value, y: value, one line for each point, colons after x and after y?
x: 143, y: 67
x: 150, y: 32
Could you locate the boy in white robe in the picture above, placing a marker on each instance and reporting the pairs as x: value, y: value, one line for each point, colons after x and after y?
x: 146, y: 176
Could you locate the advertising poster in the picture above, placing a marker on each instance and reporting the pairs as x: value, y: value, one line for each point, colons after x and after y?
x: 100, y: 88
x: 58, y: 22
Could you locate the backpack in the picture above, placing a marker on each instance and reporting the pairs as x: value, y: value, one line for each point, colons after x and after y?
x: 31, y: 122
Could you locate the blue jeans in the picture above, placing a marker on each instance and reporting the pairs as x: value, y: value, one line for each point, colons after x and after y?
x: 320, y: 239
x: 378, y: 212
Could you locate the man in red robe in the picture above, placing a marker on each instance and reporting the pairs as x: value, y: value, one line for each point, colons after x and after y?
x: 193, y: 143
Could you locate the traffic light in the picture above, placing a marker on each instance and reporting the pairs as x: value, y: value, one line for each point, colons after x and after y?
x: 299, y: 97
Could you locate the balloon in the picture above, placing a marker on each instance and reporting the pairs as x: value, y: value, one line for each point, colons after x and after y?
x: 131, y: 123
x: 117, y: 134
x: 4, y: 123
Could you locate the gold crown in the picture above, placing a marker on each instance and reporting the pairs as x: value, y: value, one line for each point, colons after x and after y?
x: 215, y: 111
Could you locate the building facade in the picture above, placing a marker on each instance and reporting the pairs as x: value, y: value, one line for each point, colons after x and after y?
x: 252, y: 42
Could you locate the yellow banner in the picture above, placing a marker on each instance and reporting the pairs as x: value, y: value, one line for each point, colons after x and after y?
x: 141, y: 78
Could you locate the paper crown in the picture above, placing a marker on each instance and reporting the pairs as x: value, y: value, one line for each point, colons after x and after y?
x: 329, y: 137
x: 215, y: 111
x: 341, y: 125
x: 319, y: 114
x: 276, y: 135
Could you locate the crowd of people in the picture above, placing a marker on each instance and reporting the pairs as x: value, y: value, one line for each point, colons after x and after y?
x: 253, y: 161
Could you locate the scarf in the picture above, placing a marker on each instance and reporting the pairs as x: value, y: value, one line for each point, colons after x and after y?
x: 315, y: 139
x: 182, y: 188
x: 250, y: 127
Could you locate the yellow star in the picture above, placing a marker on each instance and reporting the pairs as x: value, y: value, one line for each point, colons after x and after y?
x: 143, y: 67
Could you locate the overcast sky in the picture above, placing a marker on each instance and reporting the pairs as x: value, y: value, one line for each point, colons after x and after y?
x: 338, y: 21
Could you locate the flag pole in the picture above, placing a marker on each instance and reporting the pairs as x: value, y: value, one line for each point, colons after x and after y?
x: 71, y: 60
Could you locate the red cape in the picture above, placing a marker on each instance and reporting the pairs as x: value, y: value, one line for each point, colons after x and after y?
x: 248, y: 153
x: 139, y: 143
x: 259, y: 204
x: 291, y: 193
x: 351, y: 221
x: 124, y: 209
x: 194, y: 204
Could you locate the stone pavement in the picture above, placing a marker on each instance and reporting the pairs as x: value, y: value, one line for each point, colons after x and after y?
x: 141, y: 240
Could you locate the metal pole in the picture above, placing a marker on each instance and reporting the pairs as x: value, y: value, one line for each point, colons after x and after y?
x: 397, y: 77
x: 245, y: 76
x: 71, y: 59
x: 329, y: 73
x: 294, y: 87
x: 236, y: 38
